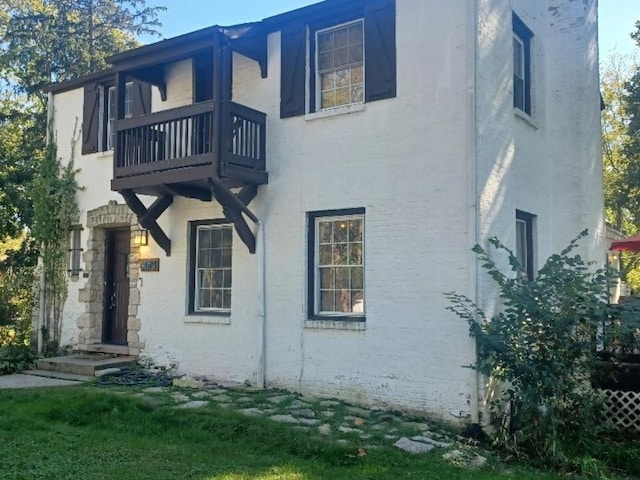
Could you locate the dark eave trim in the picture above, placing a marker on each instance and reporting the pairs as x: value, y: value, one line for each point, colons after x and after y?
x: 325, y: 8
x: 102, y: 76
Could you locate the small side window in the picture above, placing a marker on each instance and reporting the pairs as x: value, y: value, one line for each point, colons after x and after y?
x: 521, y: 65
x: 75, y: 251
x: 525, y: 243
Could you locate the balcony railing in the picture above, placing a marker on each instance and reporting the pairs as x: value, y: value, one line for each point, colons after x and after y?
x: 191, y: 136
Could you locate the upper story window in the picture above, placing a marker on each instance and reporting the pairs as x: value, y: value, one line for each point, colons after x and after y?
x: 98, y: 114
x: 109, y: 109
x: 521, y: 65
x: 334, y: 60
x: 340, y: 65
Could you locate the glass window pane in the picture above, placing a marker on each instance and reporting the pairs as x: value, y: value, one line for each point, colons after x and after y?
x: 357, y: 94
x: 205, y: 279
x: 343, y: 78
x: 357, y: 281
x: 204, y: 258
x: 325, y: 231
x: 328, y: 99
x: 326, y: 255
x: 204, y: 238
x: 327, y: 278
x: 217, y: 278
x: 355, y: 34
x: 225, y: 261
x: 216, y: 298
x: 356, y: 54
x: 226, y: 282
x: 226, y: 299
x: 340, y: 254
x: 325, y: 42
x: 340, y: 231
x: 343, y: 96
x: 341, y: 38
x: 327, y: 81
x: 342, y: 278
x: 327, y: 301
x: 204, y: 299
x: 325, y: 60
x: 227, y: 237
x: 357, y: 301
x: 518, y: 58
x: 355, y: 230
x: 341, y: 56
x: 356, y: 74
x: 355, y: 254
x: 216, y: 237
x: 343, y: 301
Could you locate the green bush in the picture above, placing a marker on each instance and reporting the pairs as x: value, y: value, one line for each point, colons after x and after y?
x: 541, y: 347
x: 15, y: 358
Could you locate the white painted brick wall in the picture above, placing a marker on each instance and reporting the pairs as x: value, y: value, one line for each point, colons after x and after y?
x: 408, y: 162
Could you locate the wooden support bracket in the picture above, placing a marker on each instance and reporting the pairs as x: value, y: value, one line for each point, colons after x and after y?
x: 147, y: 217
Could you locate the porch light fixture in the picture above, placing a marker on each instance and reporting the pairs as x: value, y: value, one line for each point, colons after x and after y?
x: 140, y: 237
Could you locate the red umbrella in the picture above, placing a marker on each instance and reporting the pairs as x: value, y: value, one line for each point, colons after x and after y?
x: 631, y: 244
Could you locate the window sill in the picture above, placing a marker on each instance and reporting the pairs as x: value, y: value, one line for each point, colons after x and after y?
x: 357, y: 324
x: 331, y: 112
x: 209, y: 318
x: 105, y: 154
x: 525, y: 117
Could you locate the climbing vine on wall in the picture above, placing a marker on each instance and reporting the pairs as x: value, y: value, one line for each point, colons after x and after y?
x: 55, y: 211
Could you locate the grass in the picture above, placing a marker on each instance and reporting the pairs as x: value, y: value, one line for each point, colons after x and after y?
x: 84, y: 433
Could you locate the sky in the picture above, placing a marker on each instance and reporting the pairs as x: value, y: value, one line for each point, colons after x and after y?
x: 617, y: 17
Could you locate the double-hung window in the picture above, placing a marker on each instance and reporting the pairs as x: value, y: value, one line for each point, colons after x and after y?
x: 521, y: 65
x: 525, y: 245
x: 75, y: 250
x: 340, y: 65
x: 210, y: 273
x: 336, y: 264
x: 110, y: 111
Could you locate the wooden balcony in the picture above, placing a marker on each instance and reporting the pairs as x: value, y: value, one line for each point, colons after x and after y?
x: 182, y: 148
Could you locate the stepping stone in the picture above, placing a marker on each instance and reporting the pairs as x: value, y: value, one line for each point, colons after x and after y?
x: 155, y: 390
x: 328, y: 413
x: 430, y: 441
x: 358, y: 412
x: 186, y: 383
x: 308, y: 421
x: 299, y: 404
x: 329, y: 403
x: 202, y: 394
x: 324, y: 429
x: 193, y: 404
x: 179, y: 398
x: 244, y: 399
x: 412, y: 447
x: 252, y: 412
x: 304, y: 413
x: 344, y: 429
x: 284, y: 419
x: 152, y: 400
x: 416, y: 425
x: 222, y: 398
x: 278, y: 399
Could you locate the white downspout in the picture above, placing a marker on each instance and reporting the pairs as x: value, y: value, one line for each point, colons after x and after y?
x: 262, y: 317
x: 473, y: 212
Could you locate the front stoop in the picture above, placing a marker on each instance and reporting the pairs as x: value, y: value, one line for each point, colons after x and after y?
x: 85, y: 363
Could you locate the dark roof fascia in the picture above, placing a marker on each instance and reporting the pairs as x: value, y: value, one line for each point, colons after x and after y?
x: 102, y: 76
x: 311, y: 12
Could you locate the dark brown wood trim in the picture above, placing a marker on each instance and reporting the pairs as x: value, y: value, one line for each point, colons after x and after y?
x: 164, y: 165
x: 165, y: 115
x: 155, y: 210
x: 243, y: 174
x: 167, y: 177
x: 149, y: 221
x: 229, y: 199
x: 247, y: 194
x: 188, y: 192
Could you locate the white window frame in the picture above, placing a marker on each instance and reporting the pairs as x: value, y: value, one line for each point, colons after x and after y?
x: 110, y: 118
x: 318, y: 72
x: 317, y: 267
x: 526, y: 227
x: 74, y: 260
x: 522, y: 75
x: 196, y: 282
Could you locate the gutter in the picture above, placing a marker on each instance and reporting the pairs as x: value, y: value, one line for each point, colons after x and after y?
x: 262, y: 305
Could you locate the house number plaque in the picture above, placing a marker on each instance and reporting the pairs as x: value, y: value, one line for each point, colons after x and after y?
x: 150, y: 265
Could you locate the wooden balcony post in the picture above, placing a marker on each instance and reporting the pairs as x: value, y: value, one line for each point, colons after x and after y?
x: 120, y: 88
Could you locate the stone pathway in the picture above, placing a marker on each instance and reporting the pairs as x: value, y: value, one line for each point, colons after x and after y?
x: 338, y: 421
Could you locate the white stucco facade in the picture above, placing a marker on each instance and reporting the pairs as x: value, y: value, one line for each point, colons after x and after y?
x: 442, y: 166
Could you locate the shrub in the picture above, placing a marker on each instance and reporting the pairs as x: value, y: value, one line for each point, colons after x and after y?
x: 541, y: 347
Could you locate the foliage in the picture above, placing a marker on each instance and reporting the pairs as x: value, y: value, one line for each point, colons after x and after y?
x: 55, y: 212
x: 15, y: 357
x: 45, y: 41
x: 84, y: 433
x: 542, y: 346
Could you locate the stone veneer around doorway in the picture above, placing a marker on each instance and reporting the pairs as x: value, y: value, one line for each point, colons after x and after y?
x: 112, y: 215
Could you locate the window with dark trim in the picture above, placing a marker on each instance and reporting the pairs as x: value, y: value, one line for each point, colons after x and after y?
x: 360, y: 67
x: 525, y: 245
x: 210, y: 267
x: 98, y: 114
x: 75, y: 251
x: 336, y: 264
x: 521, y: 65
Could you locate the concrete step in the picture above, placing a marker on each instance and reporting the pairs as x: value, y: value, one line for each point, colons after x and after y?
x: 107, y: 348
x: 59, y: 375
x: 85, y: 363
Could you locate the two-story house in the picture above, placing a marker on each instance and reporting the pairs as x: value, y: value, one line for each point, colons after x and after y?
x: 285, y: 202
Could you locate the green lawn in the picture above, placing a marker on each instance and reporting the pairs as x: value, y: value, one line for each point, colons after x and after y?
x: 85, y: 433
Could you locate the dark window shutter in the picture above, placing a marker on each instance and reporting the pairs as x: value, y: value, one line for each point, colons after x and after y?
x: 141, y: 101
x: 293, y: 71
x: 90, y: 118
x: 380, y: 49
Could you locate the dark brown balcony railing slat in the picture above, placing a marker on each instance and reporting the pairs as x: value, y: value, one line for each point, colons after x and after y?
x: 184, y: 137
